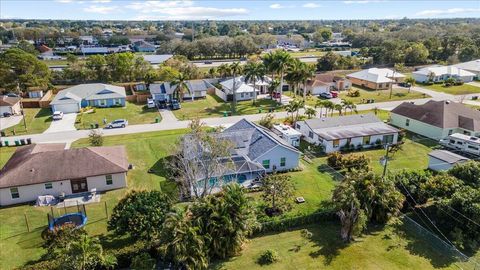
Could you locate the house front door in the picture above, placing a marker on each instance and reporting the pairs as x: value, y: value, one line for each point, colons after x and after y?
x: 79, y: 185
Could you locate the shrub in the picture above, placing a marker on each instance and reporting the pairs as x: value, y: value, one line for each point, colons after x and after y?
x: 142, y: 261
x: 42, y: 265
x: 95, y: 138
x: 353, y: 93
x: 334, y: 160
x: 126, y: 254
x: 60, y: 237
x: 269, y: 256
x: 267, y: 121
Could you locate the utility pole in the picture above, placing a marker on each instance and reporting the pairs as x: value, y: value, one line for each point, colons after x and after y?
x: 21, y: 108
x: 385, y: 161
x: 391, y: 84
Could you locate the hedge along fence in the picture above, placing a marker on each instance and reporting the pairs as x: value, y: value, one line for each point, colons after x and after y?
x: 289, y: 223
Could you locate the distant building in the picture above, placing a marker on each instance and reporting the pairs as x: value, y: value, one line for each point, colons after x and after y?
x: 443, y: 160
x: 376, y: 78
x: 143, y: 46
x: 88, y: 40
x: 156, y: 59
x: 347, y: 132
x: 327, y: 82
x: 437, y: 119
x: 441, y: 73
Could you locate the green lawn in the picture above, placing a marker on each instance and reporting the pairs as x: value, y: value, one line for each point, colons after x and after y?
x: 453, y: 90
x: 134, y: 113
x: 380, y: 248
x: 382, y: 95
x: 213, y: 106
x: 38, y: 120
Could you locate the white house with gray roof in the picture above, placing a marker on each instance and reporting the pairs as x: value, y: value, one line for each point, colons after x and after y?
x: 72, y: 99
x: 471, y: 66
x: 441, y: 73
x: 347, y: 132
x: 244, y: 89
x: 256, y: 151
x: 165, y: 91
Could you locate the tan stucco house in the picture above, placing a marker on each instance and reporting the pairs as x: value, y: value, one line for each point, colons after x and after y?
x: 376, y: 78
x: 10, y: 105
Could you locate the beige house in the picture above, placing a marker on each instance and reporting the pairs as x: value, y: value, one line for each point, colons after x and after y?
x: 10, y: 105
x: 50, y: 169
x: 376, y: 78
x: 437, y: 119
x: 327, y: 82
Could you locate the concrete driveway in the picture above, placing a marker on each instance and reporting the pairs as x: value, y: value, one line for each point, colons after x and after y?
x: 66, y: 124
x: 6, y: 122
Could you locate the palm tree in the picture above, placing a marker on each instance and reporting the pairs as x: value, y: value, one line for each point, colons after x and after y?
x: 293, y: 107
x: 236, y: 69
x: 224, y: 70
x: 411, y: 81
x: 273, y: 85
x: 269, y: 63
x: 213, y: 72
x: 348, y: 104
x: 254, y: 71
x: 320, y: 104
x: 181, y: 83
x: 85, y: 253
x: 307, y: 73
x: 310, y: 112
x: 282, y: 61
x: 339, y: 108
x: 330, y: 106
x: 294, y: 74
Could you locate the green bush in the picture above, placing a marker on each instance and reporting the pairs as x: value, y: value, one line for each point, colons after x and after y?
x: 353, y: 93
x: 285, y: 224
x: 269, y: 256
x: 143, y: 261
x: 41, y: 265
x: 126, y: 254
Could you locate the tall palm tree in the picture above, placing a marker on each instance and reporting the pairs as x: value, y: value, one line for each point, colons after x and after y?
x: 254, y: 71
x: 85, y: 253
x: 273, y: 85
x: 320, y: 104
x: 282, y: 60
x: 330, y: 106
x: 235, y: 68
x: 411, y: 81
x: 338, y: 108
x: 310, y: 112
x: 181, y: 85
x: 307, y: 73
x: 294, y: 74
x: 348, y: 104
x: 224, y: 70
x: 269, y: 63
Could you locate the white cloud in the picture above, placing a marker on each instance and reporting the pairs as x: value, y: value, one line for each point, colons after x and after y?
x: 279, y: 6
x: 180, y: 10
x: 101, y: 1
x: 363, y: 1
x: 64, y: 1
x: 101, y: 9
x: 311, y: 5
x: 433, y: 12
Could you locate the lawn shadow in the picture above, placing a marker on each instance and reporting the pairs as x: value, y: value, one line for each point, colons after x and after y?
x: 324, y: 168
x: 45, y: 113
x: 418, y: 244
x: 161, y: 168
x: 328, y: 243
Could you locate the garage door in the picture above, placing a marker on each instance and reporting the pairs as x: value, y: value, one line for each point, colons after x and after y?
x: 67, y: 108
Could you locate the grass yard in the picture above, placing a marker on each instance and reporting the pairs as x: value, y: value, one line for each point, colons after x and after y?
x: 382, y: 95
x: 380, y: 248
x: 213, y: 106
x: 38, y: 120
x: 464, y: 89
x: 134, y: 113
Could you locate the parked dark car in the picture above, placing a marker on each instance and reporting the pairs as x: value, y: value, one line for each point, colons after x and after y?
x: 208, y: 62
x: 7, y: 114
x: 175, y: 105
x: 404, y: 84
x: 162, y: 104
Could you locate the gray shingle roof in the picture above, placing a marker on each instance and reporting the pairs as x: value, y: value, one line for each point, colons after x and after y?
x: 91, y: 91
x: 167, y: 88
x: 350, y: 126
x: 442, y: 114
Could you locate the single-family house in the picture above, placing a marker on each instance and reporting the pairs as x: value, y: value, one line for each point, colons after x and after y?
x: 88, y: 40
x: 94, y: 50
x: 347, y: 132
x: 74, y: 98
x: 164, y: 91
x: 437, y: 119
x: 441, y: 73
x: 50, y: 169
x: 10, y: 105
x: 376, y: 78
x: 327, y: 82
x: 255, y: 151
x: 143, y: 46
x: 244, y: 90
x: 443, y: 160
x: 471, y: 66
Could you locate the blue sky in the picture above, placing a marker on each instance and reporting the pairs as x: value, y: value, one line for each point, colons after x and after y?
x: 236, y: 10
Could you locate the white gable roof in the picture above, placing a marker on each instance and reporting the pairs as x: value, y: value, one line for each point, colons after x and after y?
x: 376, y: 75
x: 471, y: 65
x: 444, y: 70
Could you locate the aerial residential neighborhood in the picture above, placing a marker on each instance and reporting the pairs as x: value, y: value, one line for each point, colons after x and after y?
x: 239, y: 135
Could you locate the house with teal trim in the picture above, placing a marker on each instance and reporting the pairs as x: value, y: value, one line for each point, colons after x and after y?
x: 99, y: 95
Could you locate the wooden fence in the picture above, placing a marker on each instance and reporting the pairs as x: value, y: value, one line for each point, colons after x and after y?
x: 43, y: 102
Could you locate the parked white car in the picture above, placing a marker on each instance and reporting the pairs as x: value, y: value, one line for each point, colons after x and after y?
x: 119, y: 123
x: 57, y: 115
x: 150, y: 103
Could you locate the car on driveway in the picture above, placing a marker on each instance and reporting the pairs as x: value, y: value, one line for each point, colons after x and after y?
x: 162, y: 104
x: 334, y: 94
x: 150, y: 103
x: 57, y: 115
x: 7, y: 114
x: 175, y: 105
x: 119, y: 123
x: 326, y: 95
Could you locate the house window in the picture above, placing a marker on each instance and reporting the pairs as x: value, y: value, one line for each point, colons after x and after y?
x: 14, y: 192
x: 266, y: 164
x: 242, y: 95
x: 102, y: 102
x: 366, y: 139
x: 48, y: 185
x: 336, y: 143
x: 283, y: 161
x: 388, y: 139
x: 310, y: 134
x: 117, y: 101
x: 108, y: 179
x: 407, y: 122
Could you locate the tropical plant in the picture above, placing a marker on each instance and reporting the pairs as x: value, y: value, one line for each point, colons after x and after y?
x: 180, y: 82
x: 140, y: 214
x: 84, y: 254
x: 468, y: 172
x: 338, y: 108
x: 254, y: 71
x: 224, y: 70
x: 348, y: 104
x: 277, y: 191
x: 267, y: 121
x: 143, y: 261
x: 95, y: 138
x: 411, y: 81
x: 269, y: 256
x: 310, y: 112
x: 307, y: 72
x: 294, y: 75
x: 278, y: 62
x: 60, y: 237
x: 236, y: 68
x: 293, y: 107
